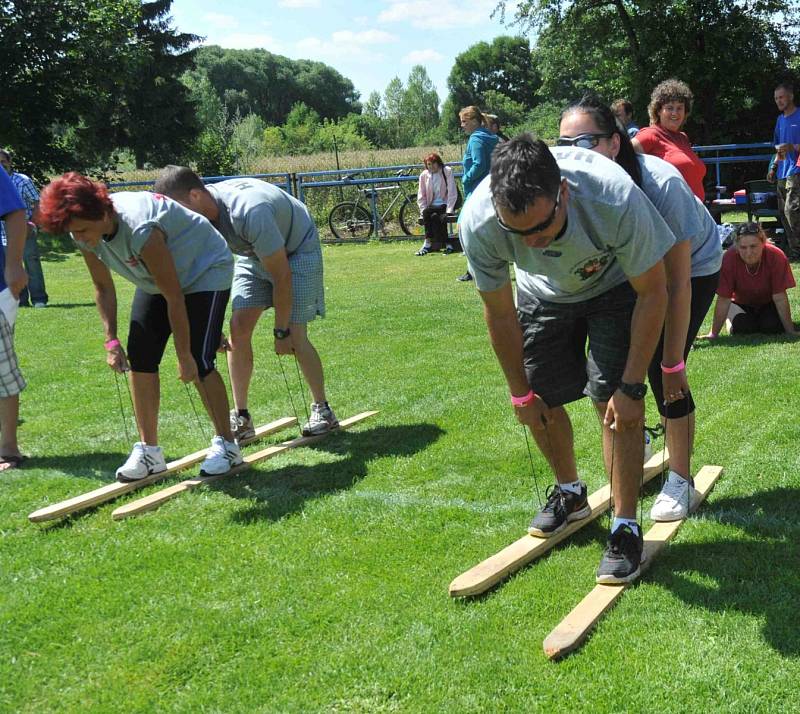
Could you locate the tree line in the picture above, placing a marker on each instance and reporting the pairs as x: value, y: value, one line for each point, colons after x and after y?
x: 93, y: 86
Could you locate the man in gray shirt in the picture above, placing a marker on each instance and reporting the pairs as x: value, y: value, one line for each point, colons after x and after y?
x: 587, y: 247
x: 278, y: 264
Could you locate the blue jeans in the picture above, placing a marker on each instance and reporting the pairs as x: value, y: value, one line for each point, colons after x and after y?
x: 35, y: 292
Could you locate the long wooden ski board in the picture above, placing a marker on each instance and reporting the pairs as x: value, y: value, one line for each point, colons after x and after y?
x: 499, y: 566
x: 573, y: 630
x: 154, y: 500
x: 112, y: 490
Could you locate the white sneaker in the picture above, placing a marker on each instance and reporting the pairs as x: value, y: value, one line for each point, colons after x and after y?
x: 40, y: 304
x: 222, y: 457
x: 143, y: 461
x: 321, y: 421
x: 676, y: 500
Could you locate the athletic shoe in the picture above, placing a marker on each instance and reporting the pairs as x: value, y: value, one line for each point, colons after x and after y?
x: 143, y: 461
x: 677, y: 499
x: 222, y: 457
x: 562, y: 507
x: 466, y: 277
x: 622, y: 558
x: 321, y: 421
x: 40, y: 304
x: 242, y: 427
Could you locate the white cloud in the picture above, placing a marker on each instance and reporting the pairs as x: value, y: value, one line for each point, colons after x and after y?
x: 439, y: 14
x: 422, y: 57
x: 366, y: 37
x: 247, y: 41
x: 221, y: 22
x: 298, y: 3
x: 346, y: 44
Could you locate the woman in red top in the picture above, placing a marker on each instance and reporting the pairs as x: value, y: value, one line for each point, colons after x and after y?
x: 752, y: 287
x: 670, y: 105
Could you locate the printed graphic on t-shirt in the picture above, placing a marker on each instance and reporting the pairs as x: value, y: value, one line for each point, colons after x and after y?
x: 587, y: 268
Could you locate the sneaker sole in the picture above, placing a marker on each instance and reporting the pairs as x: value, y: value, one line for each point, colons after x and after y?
x: 305, y: 432
x: 131, y: 479
x: 616, y: 580
x: 574, y: 516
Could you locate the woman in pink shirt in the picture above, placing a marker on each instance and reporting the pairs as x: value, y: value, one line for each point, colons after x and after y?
x: 436, y: 197
x: 753, y: 281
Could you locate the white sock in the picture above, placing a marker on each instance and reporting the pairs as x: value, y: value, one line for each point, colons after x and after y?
x: 675, y: 477
x: 619, y: 522
x: 572, y: 487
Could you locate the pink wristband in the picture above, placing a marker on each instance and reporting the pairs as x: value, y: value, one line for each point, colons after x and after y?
x: 671, y: 370
x: 523, y: 401
x: 111, y: 344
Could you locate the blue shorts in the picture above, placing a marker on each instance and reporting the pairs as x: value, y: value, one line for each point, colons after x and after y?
x: 557, y: 364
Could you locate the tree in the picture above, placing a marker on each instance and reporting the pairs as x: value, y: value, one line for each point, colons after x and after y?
x: 393, y: 106
x: 505, y: 65
x: 56, y: 56
x: 731, y: 53
x: 419, y: 106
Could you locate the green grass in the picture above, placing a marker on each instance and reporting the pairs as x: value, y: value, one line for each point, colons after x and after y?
x: 318, y: 581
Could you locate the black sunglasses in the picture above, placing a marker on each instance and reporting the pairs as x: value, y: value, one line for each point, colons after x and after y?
x: 748, y: 229
x: 538, y: 228
x: 582, y: 141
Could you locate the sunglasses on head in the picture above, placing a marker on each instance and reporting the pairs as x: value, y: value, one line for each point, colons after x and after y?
x: 748, y: 229
x: 582, y: 141
x: 538, y: 228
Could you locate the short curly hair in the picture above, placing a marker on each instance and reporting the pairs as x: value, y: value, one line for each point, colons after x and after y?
x: 72, y: 196
x: 670, y: 90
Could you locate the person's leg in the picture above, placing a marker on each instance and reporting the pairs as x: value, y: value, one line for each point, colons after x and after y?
x: 767, y: 320
x: 792, y: 213
x: 741, y: 320
x: 146, y: 393
x: 309, y: 361
x: 11, y: 384
x: 430, y: 221
x: 33, y: 266
x: 206, y: 312
x: 784, y: 219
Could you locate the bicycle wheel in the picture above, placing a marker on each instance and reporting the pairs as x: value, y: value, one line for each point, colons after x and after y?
x: 409, y: 216
x: 349, y: 221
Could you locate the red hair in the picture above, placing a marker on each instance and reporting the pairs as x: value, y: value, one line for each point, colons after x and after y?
x: 433, y: 157
x: 72, y: 196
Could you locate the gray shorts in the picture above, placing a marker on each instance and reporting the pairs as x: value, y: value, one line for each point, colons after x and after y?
x: 11, y: 380
x: 252, y: 285
x: 557, y: 364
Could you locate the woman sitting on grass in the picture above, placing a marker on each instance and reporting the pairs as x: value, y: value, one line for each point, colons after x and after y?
x: 436, y: 197
x: 182, y: 270
x: 751, y: 296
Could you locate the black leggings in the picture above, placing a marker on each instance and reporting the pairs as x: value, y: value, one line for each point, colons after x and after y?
x: 763, y: 319
x: 703, y: 290
x: 433, y: 217
x: 150, y: 329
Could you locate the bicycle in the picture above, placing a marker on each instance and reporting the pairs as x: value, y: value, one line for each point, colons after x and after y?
x: 350, y: 220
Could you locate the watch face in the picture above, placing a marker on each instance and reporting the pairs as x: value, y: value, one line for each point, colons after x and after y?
x: 634, y: 391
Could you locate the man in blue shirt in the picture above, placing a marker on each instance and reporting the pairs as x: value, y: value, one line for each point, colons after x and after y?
x: 623, y: 110
x: 12, y: 281
x: 785, y: 169
x: 30, y: 256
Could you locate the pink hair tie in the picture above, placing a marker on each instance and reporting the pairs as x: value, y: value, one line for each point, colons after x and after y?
x: 523, y: 401
x: 112, y: 344
x: 671, y: 370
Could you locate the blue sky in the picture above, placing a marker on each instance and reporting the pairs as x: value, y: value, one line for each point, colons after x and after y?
x: 368, y: 41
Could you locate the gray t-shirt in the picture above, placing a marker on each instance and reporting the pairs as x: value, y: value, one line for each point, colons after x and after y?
x: 684, y: 213
x: 257, y: 218
x: 613, y: 232
x: 202, y: 259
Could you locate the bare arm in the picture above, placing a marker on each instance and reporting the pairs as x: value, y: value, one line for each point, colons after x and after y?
x: 720, y: 315
x: 161, y: 265
x: 637, y: 147
x: 277, y: 265
x: 505, y: 335
x: 16, y: 232
x: 105, y: 297
x: 784, y: 312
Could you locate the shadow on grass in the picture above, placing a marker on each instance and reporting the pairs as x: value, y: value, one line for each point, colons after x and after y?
x: 97, y: 465
x: 283, y: 492
x: 66, y: 305
x: 756, y: 577
x: 743, y: 341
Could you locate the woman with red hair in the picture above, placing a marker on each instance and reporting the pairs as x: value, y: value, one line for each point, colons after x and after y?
x: 182, y: 270
x: 436, y: 197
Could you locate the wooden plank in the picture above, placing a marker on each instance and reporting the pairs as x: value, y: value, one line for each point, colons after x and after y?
x: 574, y: 629
x: 499, y: 566
x: 154, y: 500
x: 113, y: 490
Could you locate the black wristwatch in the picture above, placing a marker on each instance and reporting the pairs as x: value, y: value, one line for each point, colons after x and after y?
x: 635, y: 391
x: 281, y: 334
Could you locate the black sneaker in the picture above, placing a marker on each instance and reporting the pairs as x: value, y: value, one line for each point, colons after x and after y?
x: 466, y: 277
x: 622, y: 558
x: 561, y: 508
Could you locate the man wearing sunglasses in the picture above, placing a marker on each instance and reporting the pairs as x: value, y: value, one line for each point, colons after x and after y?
x: 587, y: 248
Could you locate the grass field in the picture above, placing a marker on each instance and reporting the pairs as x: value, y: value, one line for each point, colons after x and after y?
x: 318, y: 580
